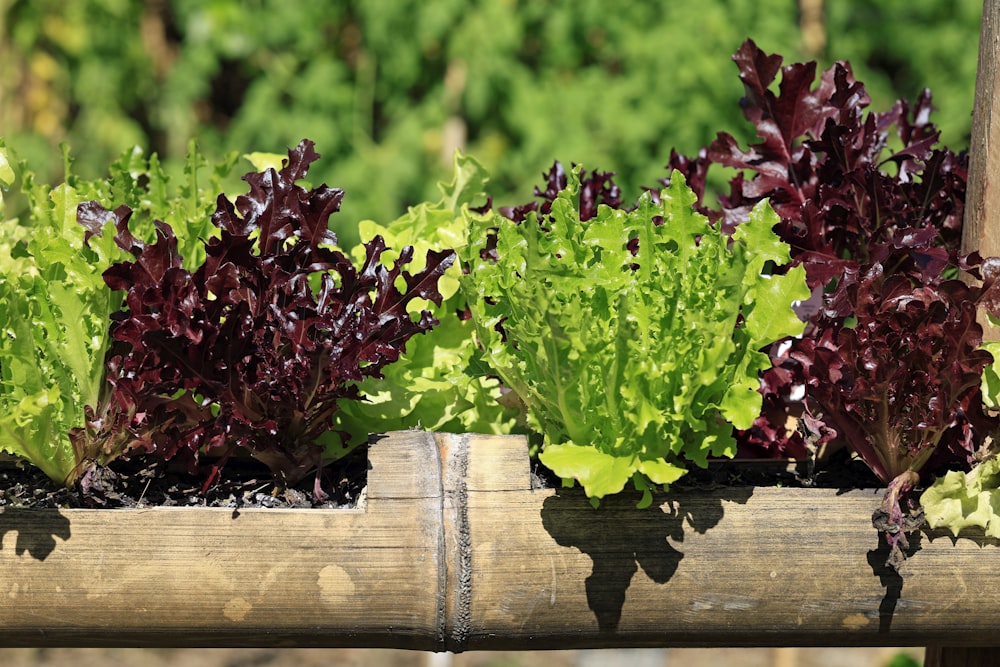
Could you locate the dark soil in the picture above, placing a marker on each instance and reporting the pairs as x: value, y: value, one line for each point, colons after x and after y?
x: 246, y: 483
x: 129, y: 484
x: 838, y: 470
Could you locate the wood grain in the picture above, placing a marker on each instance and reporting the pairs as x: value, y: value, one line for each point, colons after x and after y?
x: 733, y: 567
x: 455, y: 550
x: 981, y: 231
x: 215, y: 577
x: 981, y: 227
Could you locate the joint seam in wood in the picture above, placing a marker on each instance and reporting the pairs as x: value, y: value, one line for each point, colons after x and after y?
x: 459, y: 559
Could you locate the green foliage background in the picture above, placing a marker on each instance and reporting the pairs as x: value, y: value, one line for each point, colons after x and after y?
x: 389, y: 88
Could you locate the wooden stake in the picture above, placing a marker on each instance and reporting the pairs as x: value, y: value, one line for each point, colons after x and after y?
x: 981, y: 231
x: 981, y: 228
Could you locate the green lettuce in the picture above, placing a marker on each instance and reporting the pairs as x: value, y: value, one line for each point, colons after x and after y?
x: 633, y: 338
x: 991, y: 374
x: 429, y: 386
x: 959, y: 500
x: 54, y: 323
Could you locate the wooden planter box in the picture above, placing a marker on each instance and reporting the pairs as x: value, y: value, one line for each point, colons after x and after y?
x: 456, y: 551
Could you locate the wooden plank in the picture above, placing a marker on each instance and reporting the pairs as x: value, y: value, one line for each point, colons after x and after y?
x: 217, y: 577
x: 981, y: 226
x: 456, y: 551
x: 734, y: 567
x: 981, y: 231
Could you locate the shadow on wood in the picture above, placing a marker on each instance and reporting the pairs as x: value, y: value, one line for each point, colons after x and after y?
x: 620, y: 540
x: 36, y: 532
x: 456, y: 551
x: 732, y: 567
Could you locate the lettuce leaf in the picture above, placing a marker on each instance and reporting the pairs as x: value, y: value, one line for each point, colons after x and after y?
x: 431, y: 385
x: 960, y: 500
x: 633, y: 337
x: 990, y: 385
x: 258, y: 348
x: 54, y: 323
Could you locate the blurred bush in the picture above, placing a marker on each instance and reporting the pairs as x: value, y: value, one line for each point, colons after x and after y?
x: 389, y: 89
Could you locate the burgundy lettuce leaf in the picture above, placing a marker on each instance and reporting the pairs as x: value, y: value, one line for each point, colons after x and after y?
x: 596, y: 188
x: 256, y: 348
x: 847, y: 203
x: 901, y: 385
x: 904, y: 373
x: 889, y: 363
x: 822, y: 164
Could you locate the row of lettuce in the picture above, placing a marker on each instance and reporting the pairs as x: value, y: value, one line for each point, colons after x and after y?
x: 822, y: 299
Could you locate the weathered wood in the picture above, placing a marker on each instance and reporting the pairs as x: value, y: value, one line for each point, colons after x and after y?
x: 217, y: 577
x: 455, y: 550
x: 733, y: 567
x: 981, y: 226
x: 981, y: 231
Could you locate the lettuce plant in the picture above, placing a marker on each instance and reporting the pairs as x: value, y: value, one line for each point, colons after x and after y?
x: 961, y: 499
x: 53, y: 326
x: 257, y: 347
x: 890, y: 361
x: 430, y: 386
x: 56, y: 306
x: 630, y: 336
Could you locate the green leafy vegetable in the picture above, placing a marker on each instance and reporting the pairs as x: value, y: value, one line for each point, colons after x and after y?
x: 991, y: 376
x: 633, y: 337
x: 54, y: 323
x: 961, y: 500
x: 6, y: 173
x: 430, y: 386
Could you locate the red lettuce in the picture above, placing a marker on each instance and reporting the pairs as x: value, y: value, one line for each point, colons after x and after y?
x: 596, y: 188
x: 890, y: 362
x: 256, y: 348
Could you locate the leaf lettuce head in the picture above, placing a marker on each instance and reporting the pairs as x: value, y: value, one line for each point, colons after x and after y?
x: 632, y: 337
